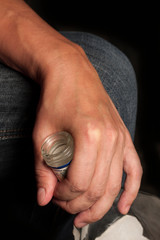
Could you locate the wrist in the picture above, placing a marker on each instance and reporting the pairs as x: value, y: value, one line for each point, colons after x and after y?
x: 59, y: 60
x: 27, y: 43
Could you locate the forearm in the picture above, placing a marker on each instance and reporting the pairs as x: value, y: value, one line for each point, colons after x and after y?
x: 27, y: 43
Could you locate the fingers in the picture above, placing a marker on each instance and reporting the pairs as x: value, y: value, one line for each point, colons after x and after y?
x: 103, y: 189
x: 93, y: 203
x: 82, y: 167
x: 95, y: 145
x: 133, y: 169
x: 96, y: 212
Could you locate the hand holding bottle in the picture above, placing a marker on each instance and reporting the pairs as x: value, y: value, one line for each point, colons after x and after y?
x: 73, y: 99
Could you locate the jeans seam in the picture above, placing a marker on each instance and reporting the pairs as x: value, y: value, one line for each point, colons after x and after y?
x: 13, y: 136
x: 14, y: 130
x: 15, y: 133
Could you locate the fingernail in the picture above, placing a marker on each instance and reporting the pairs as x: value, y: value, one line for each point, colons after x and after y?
x: 41, y: 195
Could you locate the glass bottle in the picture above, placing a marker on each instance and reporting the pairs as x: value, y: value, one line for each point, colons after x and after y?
x: 57, y: 151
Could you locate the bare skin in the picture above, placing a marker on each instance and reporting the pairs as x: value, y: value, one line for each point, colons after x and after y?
x: 72, y: 99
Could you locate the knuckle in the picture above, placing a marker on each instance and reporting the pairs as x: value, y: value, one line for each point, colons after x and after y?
x: 112, y: 134
x: 114, y: 189
x: 93, y: 196
x: 93, y: 130
x: 41, y: 173
x: 71, y: 210
x: 78, y: 188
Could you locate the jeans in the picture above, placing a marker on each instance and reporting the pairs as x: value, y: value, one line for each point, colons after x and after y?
x: 21, y: 217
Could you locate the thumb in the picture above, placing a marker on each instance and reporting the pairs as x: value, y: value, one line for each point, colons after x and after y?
x: 46, y: 182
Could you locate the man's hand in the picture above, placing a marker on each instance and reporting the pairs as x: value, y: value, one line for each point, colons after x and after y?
x: 73, y: 99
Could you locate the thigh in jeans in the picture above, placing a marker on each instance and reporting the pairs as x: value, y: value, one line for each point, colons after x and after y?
x: 16, y: 154
x: 21, y: 217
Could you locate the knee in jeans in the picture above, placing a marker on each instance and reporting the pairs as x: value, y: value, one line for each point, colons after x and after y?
x: 108, y: 59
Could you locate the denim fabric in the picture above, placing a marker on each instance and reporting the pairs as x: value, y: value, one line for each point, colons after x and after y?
x: 21, y: 217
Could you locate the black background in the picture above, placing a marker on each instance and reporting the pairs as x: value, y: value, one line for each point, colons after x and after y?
x: 134, y: 27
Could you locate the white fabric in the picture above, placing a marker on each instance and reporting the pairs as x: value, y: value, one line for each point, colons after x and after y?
x: 126, y: 228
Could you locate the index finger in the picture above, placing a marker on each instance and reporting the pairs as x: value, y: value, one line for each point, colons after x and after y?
x: 81, y: 169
